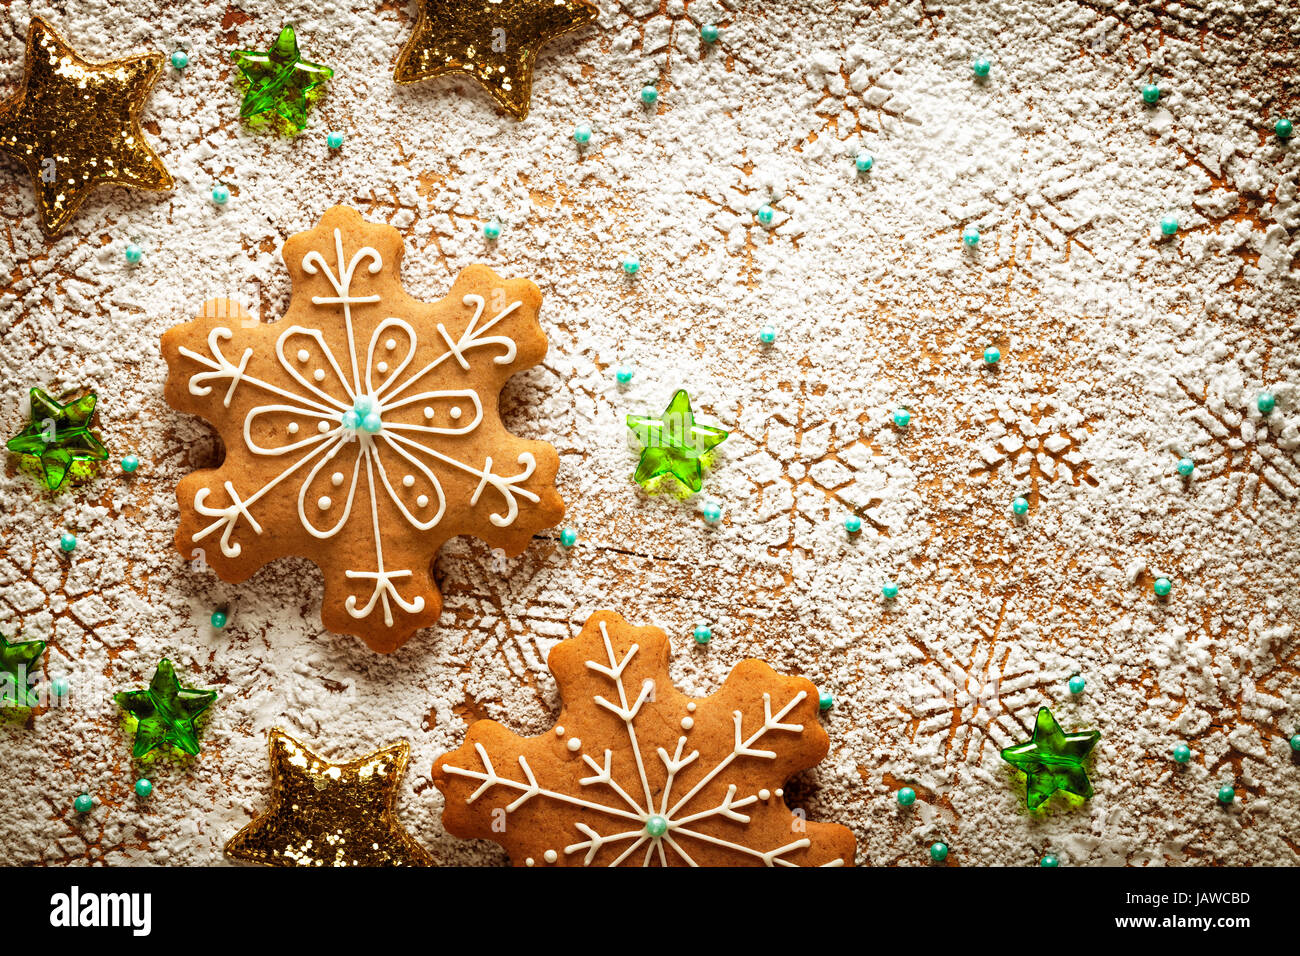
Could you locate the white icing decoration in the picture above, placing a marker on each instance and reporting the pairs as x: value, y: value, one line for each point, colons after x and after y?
x: 688, y: 723
x: 550, y: 856
x: 410, y: 442
x: 574, y: 744
x: 559, y: 730
x: 765, y: 794
x: 631, y: 812
x: 690, y: 706
x: 324, y: 503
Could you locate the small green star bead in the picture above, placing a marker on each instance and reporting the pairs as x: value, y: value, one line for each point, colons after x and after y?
x: 902, y: 418
x: 712, y: 512
x: 568, y: 537
x: 1019, y: 507
x: 1265, y: 402
x: 1227, y: 795
x: 1052, y: 760
x: 84, y: 803
x: 971, y: 236
x: 180, y: 59
x: 852, y: 524
x: 674, y: 443
x: 1077, y: 684
x: 981, y: 67
x: 649, y: 95
x: 766, y: 214
x: 656, y: 825
x: 631, y: 265
x: 1182, y: 753
x: 280, y: 82
x: 623, y: 374
x: 906, y: 797
x: 18, y: 665
x: 992, y: 356
x: 492, y: 230
x: 767, y: 334
x: 134, y: 254
x: 825, y: 701
x: 1151, y: 93
x: 1295, y: 742
x: 938, y: 852
x: 130, y: 463
x: 219, y: 619
x: 143, y: 787
x: 709, y: 33
x: 59, y: 436
x: 1283, y: 128
x: 1186, y: 466
x: 582, y: 134
x: 165, y: 712
x: 889, y: 590
x: 863, y: 162
x: 702, y: 634
x: 334, y: 140
x: 1162, y: 587
x: 1169, y: 225
x: 67, y: 541
x: 1049, y: 861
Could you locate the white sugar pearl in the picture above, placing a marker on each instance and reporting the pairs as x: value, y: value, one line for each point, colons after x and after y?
x: 390, y: 344
x: 422, y: 501
x: 455, y: 411
x: 765, y: 794
x: 550, y: 856
x: 323, y: 427
x: 336, y: 479
x: 303, y: 355
x: 293, y: 428
x: 559, y: 730
x: 574, y: 744
x: 408, y: 480
x: 382, y: 367
x: 324, y: 503
x: 690, y: 705
x: 428, y: 412
x: 319, y: 375
x: 688, y: 723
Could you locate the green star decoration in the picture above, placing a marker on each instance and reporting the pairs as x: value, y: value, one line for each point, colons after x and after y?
x: 59, y: 435
x: 1052, y: 760
x: 16, y: 667
x: 165, y: 713
x: 280, y: 81
x: 674, y: 444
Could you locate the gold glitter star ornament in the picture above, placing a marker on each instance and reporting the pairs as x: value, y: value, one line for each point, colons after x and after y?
x: 494, y: 41
x: 76, y: 124
x: 330, y: 814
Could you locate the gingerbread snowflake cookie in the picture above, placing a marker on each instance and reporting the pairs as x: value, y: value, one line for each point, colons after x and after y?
x: 362, y: 429
x: 636, y: 772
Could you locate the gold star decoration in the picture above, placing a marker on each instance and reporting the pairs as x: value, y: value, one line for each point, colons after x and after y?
x: 494, y: 41
x: 330, y: 814
x: 76, y: 124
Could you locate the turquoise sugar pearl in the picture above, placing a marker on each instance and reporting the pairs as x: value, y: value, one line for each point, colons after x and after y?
x: 631, y: 265
x: 1182, y: 753
x: 582, y: 134
x: 825, y: 701
x: 1295, y: 742
x: 67, y: 541
x: 180, y: 59
x: 863, y: 162
x: 1186, y: 466
x: 906, y: 797
x: 1151, y: 93
x: 143, y: 787
x: 971, y: 236
x: 981, y: 67
x: 133, y: 253
x: 938, y: 852
x: 767, y: 334
x: 1168, y: 225
x: 219, y: 619
x: 492, y: 230
x: 889, y: 590
x: 1227, y: 795
x: 1265, y: 402
x: 902, y: 418
x: 84, y: 803
x: 702, y: 635
x: 372, y: 423
x: 992, y: 356
x: 766, y: 214
x: 350, y: 420
x: 334, y: 140
x: 60, y: 687
x: 712, y: 512
x: 649, y: 95
x: 656, y: 826
x: 220, y: 195
x: 1019, y: 507
x: 569, y: 537
x: 852, y: 524
x: 1077, y: 684
x: 130, y: 463
x: 1162, y: 587
x: 623, y: 375
x: 709, y: 33
x: 1283, y: 128
x: 1049, y: 861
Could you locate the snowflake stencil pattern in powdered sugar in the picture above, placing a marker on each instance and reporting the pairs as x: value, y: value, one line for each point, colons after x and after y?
x: 1040, y: 444
x: 636, y: 772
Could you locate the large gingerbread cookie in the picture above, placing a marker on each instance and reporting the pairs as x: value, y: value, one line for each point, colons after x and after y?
x: 636, y: 772
x: 362, y: 429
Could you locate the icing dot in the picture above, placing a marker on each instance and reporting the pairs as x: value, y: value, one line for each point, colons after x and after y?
x: 336, y: 479
x: 324, y: 503
x: 780, y: 792
x: 455, y: 411
x: 422, y: 501
x: 382, y: 367
x: 322, y: 426
x: 319, y: 375
x: 530, y: 862
x: 390, y: 344
x: 574, y: 744
x: 691, y: 706
x: 559, y: 731
x: 303, y: 355
x: 765, y: 794
x: 550, y: 856
x: 293, y: 428
x: 688, y: 723
x: 428, y: 412
x: 408, y: 480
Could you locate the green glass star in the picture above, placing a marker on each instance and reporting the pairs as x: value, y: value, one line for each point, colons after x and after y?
x: 59, y: 435
x: 17, y: 664
x: 165, y: 713
x: 1052, y: 760
x: 280, y: 81
x: 674, y: 444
